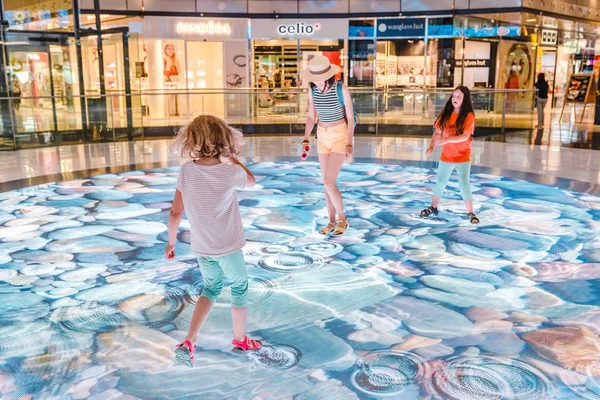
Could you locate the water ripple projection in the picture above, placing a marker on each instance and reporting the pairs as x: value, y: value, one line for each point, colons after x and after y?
x: 290, y: 261
x: 386, y: 373
x: 87, y: 296
x: 590, y: 388
x: 278, y: 356
x: 491, y: 378
x: 324, y: 249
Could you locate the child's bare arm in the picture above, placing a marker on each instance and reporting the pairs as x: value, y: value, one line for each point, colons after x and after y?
x: 435, y: 138
x: 455, y: 139
x: 251, y: 179
x: 174, y: 220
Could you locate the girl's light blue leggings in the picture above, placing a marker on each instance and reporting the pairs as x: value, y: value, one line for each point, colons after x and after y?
x: 445, y: 170
x: 234, y: 267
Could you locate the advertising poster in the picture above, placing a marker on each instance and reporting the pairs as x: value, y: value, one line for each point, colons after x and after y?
x: 579, y: 86
x: 597, y: 79
x: 581, y: 89
x: 518, y: 68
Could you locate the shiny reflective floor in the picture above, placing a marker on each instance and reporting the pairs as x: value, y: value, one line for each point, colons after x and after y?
x: 34, y: 126
x: 400, y: 307
x: 546, y: 163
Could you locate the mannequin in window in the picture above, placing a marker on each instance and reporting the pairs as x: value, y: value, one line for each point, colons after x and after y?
x: 277, y: 78
x: 513, y: 84
x: 16, y: 91
x: 172, y: 72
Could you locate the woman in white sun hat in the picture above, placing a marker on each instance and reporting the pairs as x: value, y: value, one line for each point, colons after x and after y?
x: 329, y: 102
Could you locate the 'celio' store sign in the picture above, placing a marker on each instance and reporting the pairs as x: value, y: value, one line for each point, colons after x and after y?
x: 299, y: 29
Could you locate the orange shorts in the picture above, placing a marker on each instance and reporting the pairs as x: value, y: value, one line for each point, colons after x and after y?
x: 332, y: 139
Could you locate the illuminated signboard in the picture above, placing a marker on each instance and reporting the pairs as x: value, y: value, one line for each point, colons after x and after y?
x: 299, y: 28
x: 549, y: 36
x: 203, y: 28
x: 401, y: 27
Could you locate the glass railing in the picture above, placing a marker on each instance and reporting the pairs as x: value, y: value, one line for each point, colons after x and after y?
x: 44, y: 121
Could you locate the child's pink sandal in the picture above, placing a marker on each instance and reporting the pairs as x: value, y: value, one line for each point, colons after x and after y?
x: 247, y: 344
x: 184, y: 353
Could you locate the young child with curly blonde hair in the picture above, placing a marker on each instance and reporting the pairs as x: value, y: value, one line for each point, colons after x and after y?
x: 207, y: 192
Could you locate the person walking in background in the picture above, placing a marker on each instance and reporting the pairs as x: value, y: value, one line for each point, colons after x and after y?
x: 542, y: 98
x: 454, y: 130
x: 329, y: 101
x: 16, y: 91
x: 207, y: 192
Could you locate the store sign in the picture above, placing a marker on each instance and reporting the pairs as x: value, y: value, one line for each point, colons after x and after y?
x: 203, y: 28
x: 477, y: 63
x: 200, y: 28
x: 492, y: 31
x: 549, y: 36
x: 362, y: 55
x: 298, y: 29
x: 401, y: 27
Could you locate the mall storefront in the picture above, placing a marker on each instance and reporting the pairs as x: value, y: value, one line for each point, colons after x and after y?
x: 171, y: 61
x: 281, y: 50
x: 160, y: 71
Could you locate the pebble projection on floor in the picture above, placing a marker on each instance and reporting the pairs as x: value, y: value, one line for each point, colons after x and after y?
x: 400, y: 307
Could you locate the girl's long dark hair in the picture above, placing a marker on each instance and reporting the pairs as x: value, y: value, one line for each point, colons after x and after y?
x: 328, y: 84
x: 465, y: 109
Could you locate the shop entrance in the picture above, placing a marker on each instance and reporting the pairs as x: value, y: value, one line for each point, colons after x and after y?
x: 275, y: 69
x: 30, y: 75
x: 547, y: 67
x: 205, y: 71
x: 108, y: 85
x: 401, y: 63
x: 278, y: 66
x: 41, y: 84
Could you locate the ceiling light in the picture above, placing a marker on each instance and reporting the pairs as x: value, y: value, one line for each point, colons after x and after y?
x: 532, y: 20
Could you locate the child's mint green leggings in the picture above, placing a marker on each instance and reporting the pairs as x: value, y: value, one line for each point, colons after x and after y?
x: 234, y: 268
x: 445, y: 170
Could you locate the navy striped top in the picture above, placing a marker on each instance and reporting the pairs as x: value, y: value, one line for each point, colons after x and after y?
x: 328, y: 105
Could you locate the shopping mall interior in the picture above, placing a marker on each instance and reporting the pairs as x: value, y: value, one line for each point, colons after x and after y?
x: 400, y: 306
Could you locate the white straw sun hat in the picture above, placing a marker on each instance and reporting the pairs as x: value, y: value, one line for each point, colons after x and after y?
x: 320, y: 69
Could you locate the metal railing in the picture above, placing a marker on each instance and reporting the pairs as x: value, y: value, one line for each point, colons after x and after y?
x: 45, y: 120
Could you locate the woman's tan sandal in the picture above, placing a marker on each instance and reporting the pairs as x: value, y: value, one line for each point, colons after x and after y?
x: 327, y: 230
x: 340, y: 227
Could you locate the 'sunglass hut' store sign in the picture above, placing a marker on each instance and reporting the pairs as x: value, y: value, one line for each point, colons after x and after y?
x: 401, y: 27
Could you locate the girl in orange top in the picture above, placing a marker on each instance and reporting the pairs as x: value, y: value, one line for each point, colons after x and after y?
x: 454, y: 132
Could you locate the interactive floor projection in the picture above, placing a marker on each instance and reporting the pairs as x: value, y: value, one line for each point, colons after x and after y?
x: 400, y: 307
